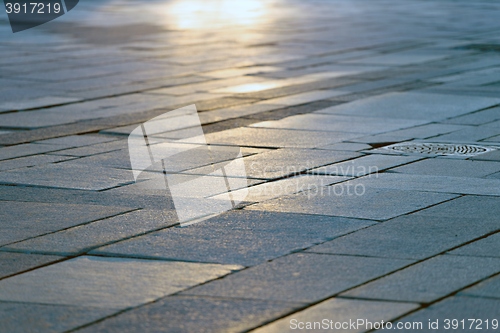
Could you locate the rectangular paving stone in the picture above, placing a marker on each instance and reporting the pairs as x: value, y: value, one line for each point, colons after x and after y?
x: 283, y: 162
x: 486, y: 247
x: 489, y: 288
x: 94, y: 149
x: 30, y: 161
x: 12, y: 263
x: 306, y: 97
x: 78, y: 140
x: 450, y: 167
x: 339, y: 123
x: 195, y: 314
x: 29, y: 317
x: 399, y: 58
x: 341, y: 200
x: 277, y: 138
x: 469, y: 134
x: 410, y: 237
x: 299, y: 278
x: 441, y: 184
x: 346, y: 146
x: 491, y: 156
x: 22, y: 220
x: 235, y: 112
x: 250, y: 238
x: 338, y: 310
x: 429, y: 280
x: 466, y: 207
x: 477, y: 118
x: 74, y: 176
x: 25, y: 150
x: 460, y: 308
x: 37, y: 103
x: 111, y: 283
x: 271, y: 190
x: 364, y: 165
x: 82, y: 238
x: 426, y: 131
x: 413, y: 105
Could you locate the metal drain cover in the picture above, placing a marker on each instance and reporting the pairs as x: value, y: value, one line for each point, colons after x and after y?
x: 444, y: 149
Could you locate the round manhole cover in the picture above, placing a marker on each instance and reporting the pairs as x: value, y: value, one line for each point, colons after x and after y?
x: 444, y: 149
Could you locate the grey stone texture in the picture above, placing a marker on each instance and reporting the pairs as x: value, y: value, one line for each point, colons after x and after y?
x: 414, y: 105
x: 30, y: 317
x: 242, y: 237
x: 92, y: 235
x: 195, y: 314
x: 451, y: 168
x: 304, y: 278
x: 338, y: 310
x: 429, y: 280
x: 486, y: 247
x: 411, y: 237
x: 109, y: 283
x: 35, y: 219
x: 348, y: 200
x: 13, y: 263
x: 460, y: 308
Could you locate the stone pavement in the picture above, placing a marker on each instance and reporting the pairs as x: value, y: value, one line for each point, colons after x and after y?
x: 337, y: 224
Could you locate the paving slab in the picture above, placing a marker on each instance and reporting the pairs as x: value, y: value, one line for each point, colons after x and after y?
x: 249, y: 238
x: 94, y: 149
x: 306, y: 97
x: 78, y: 140
x: 398, y: 59
x: 426, y: 131
x: 491, y: 156
x: 276, y: 138
x: 460, y: 308
x: 364, y: 165
x: 30, y: 161
x: 83, y: 238
x: 283, y: 162
x: 270, y: 190
x: 340, y: 123
x: 486, y: 247
x: 298, y: 277
x: 489, y: 288
x: 430, y: 184
x: 36, y: 103
x: 477, y: 118
x: 74, y: 176
x: 466, y: 207
x: 13, y: 263
x: 346, y: 146
x: 22, y: 220
x: 195, y: 314
x: 25, y: 150
x: 413, y: 105
x: 451, y: 168
x: 355, y: 202
x: 429, y: 280
x: 473, y: 134
x: 410, y: 237
x: 338, y: 310
x: 45, y: 318
x: 102, y: 282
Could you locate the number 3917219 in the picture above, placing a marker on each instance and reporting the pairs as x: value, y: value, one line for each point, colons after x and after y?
x: 33, y: 8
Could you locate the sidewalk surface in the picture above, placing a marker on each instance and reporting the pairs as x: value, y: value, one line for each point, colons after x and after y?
x: 339, y: 223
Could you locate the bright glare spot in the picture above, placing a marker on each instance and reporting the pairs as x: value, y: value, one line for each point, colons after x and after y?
x: 250, y: 87
x: 200, y: 14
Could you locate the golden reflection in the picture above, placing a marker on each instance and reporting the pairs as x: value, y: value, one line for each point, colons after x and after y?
x: 249, y: 87
x: 200, y: 14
